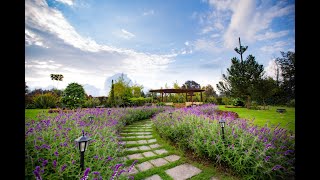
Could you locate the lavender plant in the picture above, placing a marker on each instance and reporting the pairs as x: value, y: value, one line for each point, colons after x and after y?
x: 52, y: 153
x: 257, y: 153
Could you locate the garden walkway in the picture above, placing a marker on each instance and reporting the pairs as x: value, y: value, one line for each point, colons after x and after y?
x: 154, y: 162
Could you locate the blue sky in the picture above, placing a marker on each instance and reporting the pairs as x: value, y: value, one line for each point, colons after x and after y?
x: 154, y: 42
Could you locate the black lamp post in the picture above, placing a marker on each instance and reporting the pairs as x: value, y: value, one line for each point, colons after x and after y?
x: 91, y: 119
x: 170, y: 114
x: 222, y: 122
x: 83, y: 145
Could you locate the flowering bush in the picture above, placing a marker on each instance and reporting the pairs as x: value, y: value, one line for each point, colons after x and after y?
x: 52, y: 153
x: 255, y: 153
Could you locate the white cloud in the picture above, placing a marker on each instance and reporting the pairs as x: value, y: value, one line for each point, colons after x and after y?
x: 68, y: 2
x: 271, y: 35
x: 276, y: 47
x: 146, y: 13
x: 206, y: 45
x: 33, y: 39
x: 52, y: 22
x: 246, y: 19
x: 186, y: 43
x: 126, y: 34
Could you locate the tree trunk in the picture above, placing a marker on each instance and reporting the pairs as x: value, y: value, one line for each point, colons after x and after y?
x: 248, y: 102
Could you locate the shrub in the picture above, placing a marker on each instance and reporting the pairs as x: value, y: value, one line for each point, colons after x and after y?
x: 74, y: 96
x: 237, y: 102
x: 291, y: 103
x: 44, y: 101
x: 212, y: 100
x: 91, y: 102
x: 226, y: 101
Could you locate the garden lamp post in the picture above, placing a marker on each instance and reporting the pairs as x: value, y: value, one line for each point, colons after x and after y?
x: 91, y: 119
x: 83, y: 145
x: 170, y: 114
x: 222, y: 122
x: 109, y: 111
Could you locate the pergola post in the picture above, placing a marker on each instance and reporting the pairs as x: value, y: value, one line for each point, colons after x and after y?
x: 186, y: 97
x: 201, y: 96
x: 162, y: 97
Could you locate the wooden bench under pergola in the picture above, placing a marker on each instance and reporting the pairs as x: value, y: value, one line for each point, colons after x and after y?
x: 188, y: 92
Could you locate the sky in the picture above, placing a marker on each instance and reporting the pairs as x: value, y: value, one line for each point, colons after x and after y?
x: 153, y: 43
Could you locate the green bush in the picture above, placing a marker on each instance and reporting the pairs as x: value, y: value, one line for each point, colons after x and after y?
x: 237, y: 102
x: 212, y: 100
x: 291, y: 103
x: 226, y: 101
x: 44, y: 101
x: 91, y: 102
x: 74, y: 96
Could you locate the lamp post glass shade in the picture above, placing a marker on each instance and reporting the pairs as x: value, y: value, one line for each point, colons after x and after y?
x: 90, y: 117
x: 170, y: 114
x: 222, y: 122
x: 83, y: 142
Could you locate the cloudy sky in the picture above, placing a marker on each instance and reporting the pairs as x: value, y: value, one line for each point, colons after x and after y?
x: 153, y: 43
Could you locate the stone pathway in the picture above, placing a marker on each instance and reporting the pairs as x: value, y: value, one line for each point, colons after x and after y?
x: 141, y: 146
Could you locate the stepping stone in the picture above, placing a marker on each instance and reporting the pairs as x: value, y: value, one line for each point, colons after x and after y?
x: 213, y: 178
x: 183, y: 172
x: 132, y: 171
x: 172, y: 158
x: 152, y: 140
x: 124, y: 158
x: 154, y: 177
x: 161, y: 151
x: 142, y: 142
x: 144, y: 166
x: 148, y: 154
x: 135, y: 156
x: 144, y: 147
x: 132, y: 149
x: 144, y: 136
x: 154, y: 146
x: 131, y: 142
x: 159, y: 162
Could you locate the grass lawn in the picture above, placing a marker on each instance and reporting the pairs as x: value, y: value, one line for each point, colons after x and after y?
x: 30, y: 114
x: 261, y: 117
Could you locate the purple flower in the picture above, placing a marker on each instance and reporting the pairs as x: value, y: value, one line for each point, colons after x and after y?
x: 276, y: 167
x: 56, y: 153
x: 36, y: 172
x: 267, y: 158
x: 96, y: 173
x: 288, y: 152
x: 54, y: 163
x: 44, y: 163
x: 85, y: 175
x: 63, y: 167
x: 96, y: 157
x: 73, y: 161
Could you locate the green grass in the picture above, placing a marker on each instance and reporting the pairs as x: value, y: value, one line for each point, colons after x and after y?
x: 33, y: 113
x: 261, y: 117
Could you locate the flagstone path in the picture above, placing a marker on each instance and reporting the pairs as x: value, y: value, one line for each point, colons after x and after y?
x: 141, y: 146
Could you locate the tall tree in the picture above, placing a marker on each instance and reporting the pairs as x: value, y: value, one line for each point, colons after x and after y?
x: 242, y: 77
x: 287, y: 65
x: 111, y: 95
x: 56, y: 77
x: 209, y: 91
x: 190, y: 84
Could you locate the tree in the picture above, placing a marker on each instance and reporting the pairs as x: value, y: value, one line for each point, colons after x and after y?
x: 265, y: 89
x: 111, y: 100
x: 242, y: 77
x: 74, y: 95
x: 26, y: 90
x: 287, y: 65
x: 122, y: 92
x: 136, y: 90
x: 209, y: 91
x: 56, y: 77
x: 190, y: 84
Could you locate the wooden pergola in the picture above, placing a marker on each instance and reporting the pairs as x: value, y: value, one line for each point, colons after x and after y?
x: 188, y: 92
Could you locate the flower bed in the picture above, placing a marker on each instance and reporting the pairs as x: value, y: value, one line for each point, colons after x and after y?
x: 252, y: 152
x: 51, y: 152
